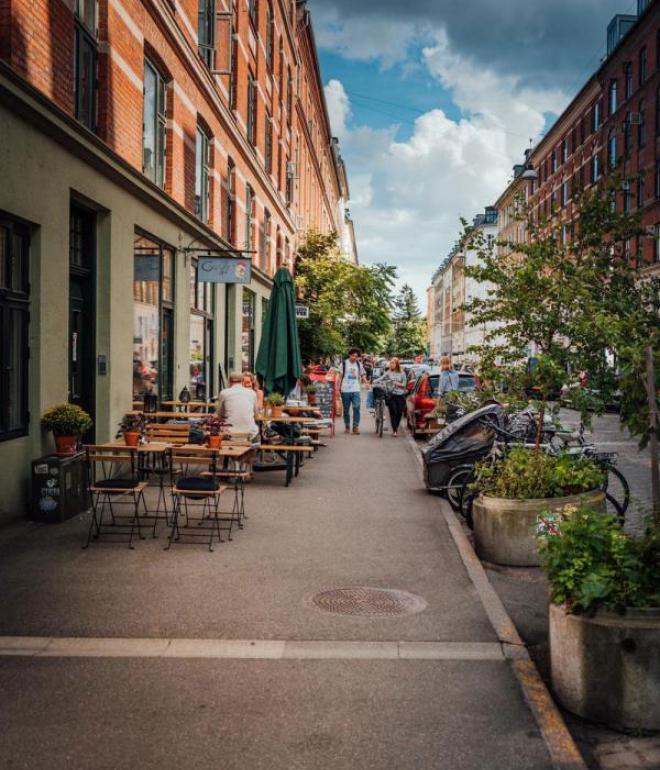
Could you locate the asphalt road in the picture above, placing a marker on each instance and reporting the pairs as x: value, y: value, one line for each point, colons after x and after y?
x: 355, y: 517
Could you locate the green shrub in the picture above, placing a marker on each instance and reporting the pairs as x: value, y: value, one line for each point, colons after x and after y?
x: 275, y: 399
x: 592, y: 563
x: 524, y: 474
x: 66, y: 420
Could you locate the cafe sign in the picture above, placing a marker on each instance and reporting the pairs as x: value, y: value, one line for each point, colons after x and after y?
x: 224, y: 270
x: 302, y: 311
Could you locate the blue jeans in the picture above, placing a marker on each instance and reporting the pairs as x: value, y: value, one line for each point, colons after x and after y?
x: 348, y: 399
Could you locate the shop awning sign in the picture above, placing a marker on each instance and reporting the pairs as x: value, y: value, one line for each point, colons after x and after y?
x: 224, y: 270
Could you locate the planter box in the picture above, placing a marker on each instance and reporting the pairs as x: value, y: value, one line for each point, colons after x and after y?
x: 606, y: 668
x: 505, y: 530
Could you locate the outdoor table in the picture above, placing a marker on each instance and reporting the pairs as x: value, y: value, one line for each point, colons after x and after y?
x: 187, y: 406
x: 292, y: 465
x: 169, y: 415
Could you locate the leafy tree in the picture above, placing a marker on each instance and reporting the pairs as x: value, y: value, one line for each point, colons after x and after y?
x: 349, y: 305
x: 408, y: 327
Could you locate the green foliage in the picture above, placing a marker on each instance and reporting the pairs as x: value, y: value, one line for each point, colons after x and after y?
x: 349, y: 305
x: 408, y: 337
x: 274, y: 399
x: 66, y: 420
x: 524, y: 475
x: 132, y: 423
x: 592, y: 563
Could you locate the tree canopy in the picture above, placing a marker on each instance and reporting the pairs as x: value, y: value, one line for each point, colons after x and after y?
x: 408, y: 337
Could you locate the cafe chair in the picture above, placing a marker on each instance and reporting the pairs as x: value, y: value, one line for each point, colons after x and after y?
x: 195, y: 490
x: 114, y: 480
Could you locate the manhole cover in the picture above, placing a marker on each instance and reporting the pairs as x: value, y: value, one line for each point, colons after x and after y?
x: 370, y: 602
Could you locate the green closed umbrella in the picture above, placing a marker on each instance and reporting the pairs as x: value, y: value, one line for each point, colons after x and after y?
x: 278, y: 360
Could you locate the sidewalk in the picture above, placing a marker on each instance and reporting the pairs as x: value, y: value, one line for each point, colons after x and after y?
x: 356, y: 516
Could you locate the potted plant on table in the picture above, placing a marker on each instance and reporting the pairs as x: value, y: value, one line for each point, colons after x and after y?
x: 132, y: 427
x: 214, y: 426
x: 275, y: 401
x: 514, y: 492
x: 311, y: 394
x: 604, y: 617
x: 68, y: 423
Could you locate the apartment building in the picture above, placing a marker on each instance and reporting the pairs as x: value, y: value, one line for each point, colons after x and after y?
x: 137, y: 137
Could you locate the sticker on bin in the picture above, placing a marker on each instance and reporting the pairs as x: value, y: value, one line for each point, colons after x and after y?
x: 41, y: 469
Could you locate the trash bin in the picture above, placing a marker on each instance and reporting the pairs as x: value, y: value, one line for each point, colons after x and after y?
x: 59, y: 487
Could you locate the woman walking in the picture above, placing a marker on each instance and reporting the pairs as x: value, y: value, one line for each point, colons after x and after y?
x: 448, y: 377
x: 394, y: 380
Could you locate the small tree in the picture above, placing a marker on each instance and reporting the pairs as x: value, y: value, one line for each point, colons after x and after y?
x: 408, y: 327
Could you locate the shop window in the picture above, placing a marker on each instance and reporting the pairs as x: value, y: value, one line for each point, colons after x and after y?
x: 153, y: 324
x: 201, y: 336
x: 154, y: 124
x: 14, y: 321
x: 247, y: 331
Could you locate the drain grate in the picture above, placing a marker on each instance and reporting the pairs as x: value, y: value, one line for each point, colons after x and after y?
x: 369, y: 602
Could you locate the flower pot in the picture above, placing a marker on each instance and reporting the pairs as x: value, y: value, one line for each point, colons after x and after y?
x: 132, y: 438
x: 65, y: 446
x: 214, y: 442
x: 606, y: 668
x: 275, y: 411
x: 505, y: 530
x: 311, y: 399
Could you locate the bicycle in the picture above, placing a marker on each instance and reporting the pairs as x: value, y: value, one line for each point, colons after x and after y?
x: 380, y: 396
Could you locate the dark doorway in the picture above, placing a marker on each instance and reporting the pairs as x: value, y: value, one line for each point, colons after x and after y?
x: 82, y: 326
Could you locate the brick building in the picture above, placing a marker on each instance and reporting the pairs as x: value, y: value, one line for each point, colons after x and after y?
x: 138, y: 135
x: 613, y: 123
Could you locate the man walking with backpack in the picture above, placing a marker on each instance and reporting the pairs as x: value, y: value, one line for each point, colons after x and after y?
x: 351, y: 376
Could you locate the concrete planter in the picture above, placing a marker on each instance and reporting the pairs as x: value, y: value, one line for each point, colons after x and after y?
x: 606, y: 668
x: 505, y: 530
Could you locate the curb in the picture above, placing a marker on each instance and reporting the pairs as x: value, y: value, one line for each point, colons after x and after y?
x: 564, y: 753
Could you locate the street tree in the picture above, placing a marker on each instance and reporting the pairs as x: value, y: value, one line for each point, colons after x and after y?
x: 408, y: 327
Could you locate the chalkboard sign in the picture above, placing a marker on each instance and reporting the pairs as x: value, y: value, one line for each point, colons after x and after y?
x: 325, y: 393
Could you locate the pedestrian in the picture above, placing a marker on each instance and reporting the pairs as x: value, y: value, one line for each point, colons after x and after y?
x: 250, y: 381
x: 395, y: 380
x: 238, y: 405
x: 351, y: 376
x: 448, y: 377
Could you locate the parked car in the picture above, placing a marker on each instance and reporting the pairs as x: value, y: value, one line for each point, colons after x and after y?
x: 422, y: 398
x: 414, y: 372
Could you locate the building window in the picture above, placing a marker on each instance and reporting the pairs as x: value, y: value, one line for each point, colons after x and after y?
x: 270, y: 37
x: 583, y: 130
x: 656, y: 244
x: 657, y: 112
x: 250, y: 210
x: 640, y: 191
x: 574, y: 138
x: 289, y: 96
x: 641, y: 128
x: 14, y: 321
x: 85, y: 59
x: 564, y: 193
x: 202, y: 175
x: 628, y: 79
x: 230, y: 202
x: 268, y: 148
x: 253, y: 8
x: 154, y: 125
x: 265, y: 243
x: 289, y: 183
x: 201, y: 336
x: 554, y: 161
x: 627, y: 196
x: 596, y: 169
x: 613, y: 96
x: 657, y: 179
x: 206, y: 30
x: 627, y: 134
x: 564, y: 150
x: 612, y: 158
x: 233, y: 68
x: 595, y: 117
x: 252, y: 110
x: 643, y: 62
x: 153, y: 318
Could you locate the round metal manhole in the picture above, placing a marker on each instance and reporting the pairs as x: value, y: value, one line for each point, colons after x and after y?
x: 367, y: 602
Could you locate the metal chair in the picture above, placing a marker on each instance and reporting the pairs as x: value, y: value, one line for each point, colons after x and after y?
x: 195, y: 488
x: 112, y: 474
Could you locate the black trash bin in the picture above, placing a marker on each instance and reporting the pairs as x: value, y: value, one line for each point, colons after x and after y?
x: 59, y: 487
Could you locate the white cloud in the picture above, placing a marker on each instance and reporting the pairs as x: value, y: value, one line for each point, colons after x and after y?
x: 407, y: 197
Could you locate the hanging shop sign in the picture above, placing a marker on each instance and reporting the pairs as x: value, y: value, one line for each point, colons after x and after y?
x: 224, y: 270
x: 302, y: 311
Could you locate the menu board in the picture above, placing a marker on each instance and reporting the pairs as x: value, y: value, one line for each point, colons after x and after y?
x: 325, y: 396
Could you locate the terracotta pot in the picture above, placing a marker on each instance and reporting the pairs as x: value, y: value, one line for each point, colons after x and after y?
x: 276, y: 411
x: 132, y: 438
x: 65, y: 446
x: 214, y: 442
x: 311, y: 399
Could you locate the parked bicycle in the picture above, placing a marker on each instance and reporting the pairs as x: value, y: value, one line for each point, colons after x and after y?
x: 380, y: 399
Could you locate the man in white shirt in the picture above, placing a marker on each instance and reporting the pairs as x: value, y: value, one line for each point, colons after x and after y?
x: 238, y: 405
x: 351, y: 376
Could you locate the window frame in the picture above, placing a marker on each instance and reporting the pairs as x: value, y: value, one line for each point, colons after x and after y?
x: 250, y: 211
x: 206, y: 31
x: 613, y: 96
x: 251, y: 123
x: 643, y: 65
x: 15, y: 304
x: 85, y: 110
x: 628, y: 80
x: 160, y: 124
x: 202, y: 166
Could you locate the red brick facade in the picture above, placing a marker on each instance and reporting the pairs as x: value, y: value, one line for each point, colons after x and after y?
x: 295, y: 182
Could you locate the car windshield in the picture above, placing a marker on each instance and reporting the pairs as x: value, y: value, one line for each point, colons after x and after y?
x: 466, y: 382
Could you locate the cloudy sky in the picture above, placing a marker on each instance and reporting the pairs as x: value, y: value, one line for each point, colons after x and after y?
x: 435, y: 100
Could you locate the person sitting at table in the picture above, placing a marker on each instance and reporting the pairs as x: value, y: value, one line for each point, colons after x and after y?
x: 238, y: 405
x: 250, y: 381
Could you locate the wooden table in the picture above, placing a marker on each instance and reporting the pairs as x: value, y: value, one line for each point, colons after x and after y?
x: 170, y: 415
x: 186, y: 406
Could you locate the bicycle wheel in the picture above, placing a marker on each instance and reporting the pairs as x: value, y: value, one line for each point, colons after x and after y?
x: 466, y: 499
x: 455, y: 483
x: 380, y: 418
x: 617, y: 492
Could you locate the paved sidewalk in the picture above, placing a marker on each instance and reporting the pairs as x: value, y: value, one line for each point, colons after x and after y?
x: 355, y: 517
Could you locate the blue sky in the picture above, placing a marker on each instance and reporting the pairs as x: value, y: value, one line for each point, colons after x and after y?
x: 434, y: 101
